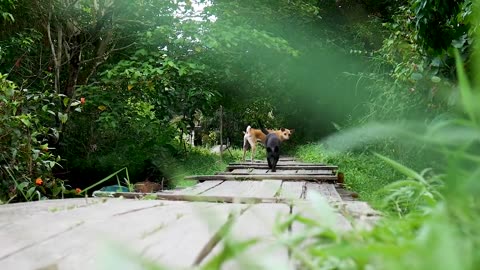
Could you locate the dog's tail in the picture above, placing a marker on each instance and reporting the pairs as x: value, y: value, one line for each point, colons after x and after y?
x: 248, y: 130
x: 262, y: 128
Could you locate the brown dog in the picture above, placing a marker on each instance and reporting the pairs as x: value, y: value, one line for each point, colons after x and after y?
x: 253, y: 135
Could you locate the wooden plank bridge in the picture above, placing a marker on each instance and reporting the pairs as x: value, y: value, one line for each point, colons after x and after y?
x: 178, y: 229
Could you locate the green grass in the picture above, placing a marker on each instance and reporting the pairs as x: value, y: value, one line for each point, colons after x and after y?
x: 364, y: 173
x: 200, y: 161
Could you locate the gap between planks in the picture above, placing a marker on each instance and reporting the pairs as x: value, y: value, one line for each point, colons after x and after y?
x: 259, y: 177
x: 283, y: 167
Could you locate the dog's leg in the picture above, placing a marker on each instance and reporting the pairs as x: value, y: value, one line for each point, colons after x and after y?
x: 253, y: 152
x: 246, y: 141
x: 245, y: 148
x: 269, y: 161
x: 276, y: 156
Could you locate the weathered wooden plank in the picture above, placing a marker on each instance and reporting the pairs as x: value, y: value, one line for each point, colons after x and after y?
x: 326, y: 190
x: 278, y: 171
x: 364, y: 216
x: 230, y: 188
x: 180, y: 244
x: 258, y: 171
x: 196, y: 189
x: 361, y: 208
x: 316, y: 171
x: 9, y: 212
x: 346, y: 194
x: 261, y: 177
x: 241, y: 171
x: 324, y: 216
x: 303, y: 171
x: 297, y: 163
x: 244, y: 171
x: 327, y: 216
x: 245, y: 188
x: 331, y: 196
x: 26, y: 232
x: 207, y: 198
x: 266, y: 188
x: 283, y: 167
x: 148, y: 231
x: 280, y: 163
x: 282, y: 172
x: 257, y: 223
x: 249, y: 161
x: 293, y: 190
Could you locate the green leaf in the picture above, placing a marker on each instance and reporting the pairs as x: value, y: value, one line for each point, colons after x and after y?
x: 65, y: 101
x: 416, y: 76
x: 460, y: 42
x: 103, y: 180
x: 30, y: 192
x: 402, y: 169
x: 468, y: 99
x: 182, y: 71
x: 63, y: 117
x: 22, y: 185
x: 56, y: 190
x: 26, y: 122
x: 436, y: 79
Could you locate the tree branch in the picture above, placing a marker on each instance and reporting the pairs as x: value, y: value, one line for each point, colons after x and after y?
x: 54, y: 54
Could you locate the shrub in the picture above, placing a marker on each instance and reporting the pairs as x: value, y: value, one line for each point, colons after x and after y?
x: 27, y: 118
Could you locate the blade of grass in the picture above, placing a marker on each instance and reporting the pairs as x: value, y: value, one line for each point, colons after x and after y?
x: 402, y: 169
x: 468, y: 99
x: 101, y: 181
x: 16, y: 184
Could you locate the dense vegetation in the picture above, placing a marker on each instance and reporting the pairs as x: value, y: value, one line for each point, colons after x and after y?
x: 385, y: 89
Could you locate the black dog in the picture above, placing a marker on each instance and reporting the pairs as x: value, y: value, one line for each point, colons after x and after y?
x: 272, y: 143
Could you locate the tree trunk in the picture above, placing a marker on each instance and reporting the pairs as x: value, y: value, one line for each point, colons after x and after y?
x: 73, y: 69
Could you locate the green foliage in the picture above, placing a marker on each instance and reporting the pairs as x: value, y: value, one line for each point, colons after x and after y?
x: 363, y: 173
x: 441, y: 24
x: 437, y: 211
x: 5, y: 7
x: 26, y: 120
x: 200, y: 161
x: 416, y: 193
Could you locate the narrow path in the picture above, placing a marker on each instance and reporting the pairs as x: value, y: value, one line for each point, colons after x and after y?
x: 179, y: 228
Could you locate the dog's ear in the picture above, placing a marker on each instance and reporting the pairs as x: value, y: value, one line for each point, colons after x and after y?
x: 282, y: 129
x: 292, y: 130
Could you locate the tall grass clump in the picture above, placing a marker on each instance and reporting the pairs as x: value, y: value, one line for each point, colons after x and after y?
x: 363, y: 172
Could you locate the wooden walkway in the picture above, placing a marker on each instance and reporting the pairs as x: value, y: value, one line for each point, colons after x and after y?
x: 180, y: 228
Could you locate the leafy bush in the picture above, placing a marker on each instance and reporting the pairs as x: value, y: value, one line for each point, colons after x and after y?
x: 27, y: 120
